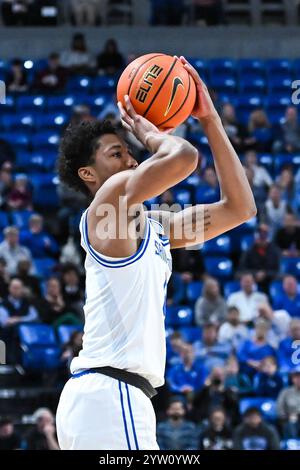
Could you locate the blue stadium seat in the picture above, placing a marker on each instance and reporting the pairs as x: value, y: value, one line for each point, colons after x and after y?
x: 65, y: 332
x: 290, y: 444
x: 193, y: 291
x: 10, y: 103
x: 45, y: 190
x: 60, y: 103
x: 206, y: 195
x: 281, y: 160
x: 279, y: 85
x: 266, y: 160
x: 218, y: 67
x: 20, y: 218
x: 44, y: 266
x: 254, y: 85
x: 279, y: 68
x: 245, y: 105
x: 251, y: 67
x: 290, y: 266
x: 191, y: 334
x: 19, y: 121
x: 199, y: 64
x: 230, y: 287
x: 182, y: 196
x: 52, y: 121
x: 30, y: 102
x: 247, y: 241
x: 36, y: 161
x: 39, y: 347
x: 223, y: 84
x: 275, y: 289
x: 179, y: 316
x: 267, y: 406
x: 219, y: 267
x: 18, y: 139
x: 45, y: 140
x: 104, y: 83
x: 79, y: 83
x: 4, y: 222
x: 217, y: 246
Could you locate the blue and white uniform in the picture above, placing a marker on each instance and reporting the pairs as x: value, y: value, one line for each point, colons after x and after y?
x: 124, y: 328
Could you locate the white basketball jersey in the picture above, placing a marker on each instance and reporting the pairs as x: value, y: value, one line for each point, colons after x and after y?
x: 125, y: 306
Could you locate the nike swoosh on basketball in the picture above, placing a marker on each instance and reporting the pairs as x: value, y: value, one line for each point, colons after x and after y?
x: 176, y: 83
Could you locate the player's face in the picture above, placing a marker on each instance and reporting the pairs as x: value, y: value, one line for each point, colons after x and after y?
x: 113, y: 156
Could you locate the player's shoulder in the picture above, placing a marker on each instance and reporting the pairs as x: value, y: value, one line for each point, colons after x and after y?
x: 113, y: 187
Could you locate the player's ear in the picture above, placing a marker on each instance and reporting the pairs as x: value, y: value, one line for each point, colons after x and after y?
x: 87, y: 174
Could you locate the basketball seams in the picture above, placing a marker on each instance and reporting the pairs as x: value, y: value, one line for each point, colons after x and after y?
x: 160, y: 87
x: 138, y: 69
x: 180, y: 107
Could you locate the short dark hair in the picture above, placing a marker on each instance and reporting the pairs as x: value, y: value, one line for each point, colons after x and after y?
x: 252, y: 410
x: 77, y: 149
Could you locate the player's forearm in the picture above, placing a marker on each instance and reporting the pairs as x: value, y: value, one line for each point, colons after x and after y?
x: 235, y: 189
x: 163, y: 145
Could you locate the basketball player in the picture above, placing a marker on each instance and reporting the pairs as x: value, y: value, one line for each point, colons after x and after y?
x: 106, y: 403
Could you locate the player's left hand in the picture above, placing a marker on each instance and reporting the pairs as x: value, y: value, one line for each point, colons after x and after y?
x: 134, y: 122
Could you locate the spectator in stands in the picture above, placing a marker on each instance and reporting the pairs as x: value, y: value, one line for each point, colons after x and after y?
x: 166, y: 12
x: 15, y: 308
x: 287, y: 237
x: 15, y: 12
x: 217, y: 435
x: 53, y: 309
x: 259, y: 192
x: 252, y: 351
x: 260, y: 131
x: 289, y: 300
x: 232, y: 330
x: 78, y: 59
x: 262, y: 259
x: 288, y: 407
x: 81, y: 112
x: 110, y: 61
x: 211, y: 306
x: 209, y: 11
x: 278, y: 321
x: 267, y: 382
x: 4, y: 279
x: 210, y: 350
x: 235, y: 380
x: 288, y: 347
x: 40, y: 243
x: 188, y: 376
x: 215, y: 394
x: 71, y: 288
x: 175, y: 346
x: 275, y: 209
x: 177, y: 432
x: 286, y: 183
x: 290, y: 132
x: 16, y: 80
x: 87, y: 12
x: 210, y: 181
x: 53, y: 77
x: 20, y: 197
x: 30, y: 281
x: 11, y: 250
x: 261, y: 176
x: 234, y: 129
x: 6, y: 180
x: 9, y: 439
x: 254, y: 433
x: 189, y: 264
x: 43, y: 435
x: 72, y: 348
x: 247, y: 299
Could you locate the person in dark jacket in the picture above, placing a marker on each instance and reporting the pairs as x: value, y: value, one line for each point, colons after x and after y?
x: 254, y: 433
x: 53, y: 77
x: 177, y: 433
x: 110, y: 60
x: 287, y: 238
x: 43, y: 435
x: 217, y: 435
x: 268, y: 382
x: 262, y: 259
x: 9, y: 439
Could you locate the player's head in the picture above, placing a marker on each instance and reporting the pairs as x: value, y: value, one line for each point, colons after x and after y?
x: 90, y: 153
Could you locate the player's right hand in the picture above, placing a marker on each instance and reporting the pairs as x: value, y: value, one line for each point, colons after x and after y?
x: 204, y: 107
x: 136, y: 123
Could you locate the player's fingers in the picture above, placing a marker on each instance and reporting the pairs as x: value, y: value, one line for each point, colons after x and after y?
x: 124, y: 115
x: 168, y: 130
x: 191, y: 70
x: 129, y: 108
x: 126, y: 126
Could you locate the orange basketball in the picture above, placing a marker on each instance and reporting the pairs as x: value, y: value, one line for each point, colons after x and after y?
x: 160, y: 89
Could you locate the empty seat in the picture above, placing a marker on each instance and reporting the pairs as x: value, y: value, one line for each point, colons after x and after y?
x: 45, y: 140
x: 30, y: 102
x: 219, y: 267
x: 267, y: 406
x: 191, y: 334
x: 290, y: 266
x: 55, y: 120
x: 279, y: 85
x: 80, y: 83
x: 4, y: 221
x: 179, y: 316
x: 36, y: 161
x: 44, y: 266
x: 18, y: 139
x: 252, y: 85
x: 39, y: 347
x: 217, y: 246
x: 193, y: 291
x: 247, y: 241
x: 104, y: 83
x: 45, y: 191
x: 182, y: 196
x: 206, y: 194
x: 230, y: 287
x: 65, y: 332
